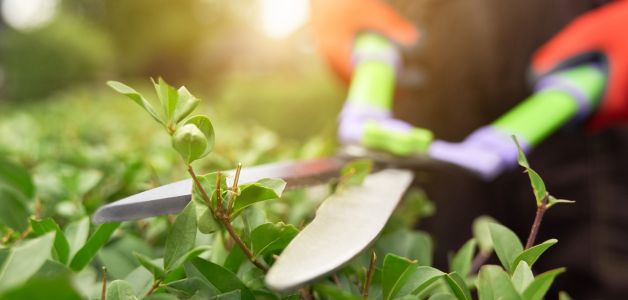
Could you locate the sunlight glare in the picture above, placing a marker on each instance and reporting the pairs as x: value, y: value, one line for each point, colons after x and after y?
x: 280, y: 18
x: 27, y: 15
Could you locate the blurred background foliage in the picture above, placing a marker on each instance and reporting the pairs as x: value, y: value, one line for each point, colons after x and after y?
x: 267, y: 92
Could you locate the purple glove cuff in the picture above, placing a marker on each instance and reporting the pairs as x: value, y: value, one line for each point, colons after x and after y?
x: 487, y: 151
x: 354, y: 117
x: 390, y: 57
x: 558, y: 83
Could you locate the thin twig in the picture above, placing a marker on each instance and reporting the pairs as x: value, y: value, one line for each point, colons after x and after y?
x: 153, y: 287
x: 7, y: 237
x: 335, y: 279
x: 234, y: 189
x: 305, y: 293
x: 24, y: 234
x: 220, y: 214
x: 103, y: 290
x: 538, y: 218
x: 479, y: 260
x: 369, y: 276
x: 201, y: 189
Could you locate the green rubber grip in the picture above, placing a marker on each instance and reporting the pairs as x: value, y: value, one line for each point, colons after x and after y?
x: 373, y: 81
x: 557, y: 103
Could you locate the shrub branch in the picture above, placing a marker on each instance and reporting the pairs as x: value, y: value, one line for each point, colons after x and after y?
x: 538, y: 218
x: 221, y: 215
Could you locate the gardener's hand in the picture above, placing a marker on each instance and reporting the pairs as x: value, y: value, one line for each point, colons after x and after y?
x: 375, y: 128
x: 488, y: 151
x: 336, y: 22
x: 602, y: 31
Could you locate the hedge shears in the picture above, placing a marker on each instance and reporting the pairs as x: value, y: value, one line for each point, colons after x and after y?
x: 396, y: 149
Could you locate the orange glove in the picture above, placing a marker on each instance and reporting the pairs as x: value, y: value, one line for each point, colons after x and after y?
x: 336, y: 22
x: 602, y: 31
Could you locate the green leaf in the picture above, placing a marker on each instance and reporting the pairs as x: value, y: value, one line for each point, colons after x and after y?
x: 44, y: 287
x: 262, y: 190
x: 95, y: 242
x: 494, y: 284
x: 208, y: 181
x: 150, y: 265
x: 161, y: 296
x: 17, y: 177
x: 562, y: 295
x: 395, y: 273
x: 137, y: 98
x: 192, y: 286
x: 233, y: 295
x: 187, y: 103
x: 522, y: 277
x: 482, y: 234
x: 416, y: 245
x: 269, y: 238
x: 537, y: 289
x: 521, y: 157
x: 167, y: 96
x: 506, y: 243
x: 553, y: 201
x: 219, y: 277
x: 442, y: 296
x: 234, y: 259
x: 190, y: 142
x: 14, y: 212
x: 181, y: 238
x: 538, y: 186
x: 20, y: 263
x: 61, y: 245
x: 421, y: 279
x: 461, y: 262
x: 77, y: 233
x: 458, y: 286
x: 533, y: 253
x: 354, y: 172
x: 334, y: 292
x: 205, y: 219
x: 120, y: 290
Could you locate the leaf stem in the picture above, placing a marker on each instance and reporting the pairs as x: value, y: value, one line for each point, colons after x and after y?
x: 369, y: 276
x: 153, y: 287
x: 538, y: 218
x: 220, y: 214
x: 479, y: 260
x: 103, y: 290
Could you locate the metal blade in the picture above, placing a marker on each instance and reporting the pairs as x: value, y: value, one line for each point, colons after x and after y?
x: 345, y: 224
x: 173, y: 197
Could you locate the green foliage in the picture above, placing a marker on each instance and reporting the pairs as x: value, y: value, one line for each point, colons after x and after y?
x: 482, y: 233
x: 120, y: 290
x: 61, y: 245
x: 220, y: 278
x: 18, y: 264
x: 461, y: 262
x: 96, y: 241
x: 533, y: 253
x: 395, y: 273
x: 507, y: 245
x: 181, y: 238
x: 538, y: 186
x: 269, y: 238
x: 195, y: 255
x: 262, y: 190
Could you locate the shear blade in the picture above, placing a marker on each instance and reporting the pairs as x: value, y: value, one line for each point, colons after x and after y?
x: 345, y: 224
